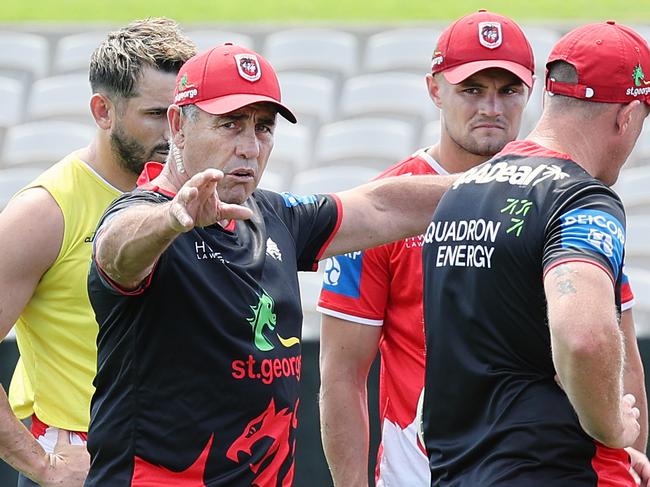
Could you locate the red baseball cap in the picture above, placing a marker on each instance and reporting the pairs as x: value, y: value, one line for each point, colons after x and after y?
x: 480, y: 41
x: 226, y: 78
x: 609, y: 59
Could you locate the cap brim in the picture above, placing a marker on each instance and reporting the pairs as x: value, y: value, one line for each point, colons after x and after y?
x: 461, y: 73
x: 229, y: 103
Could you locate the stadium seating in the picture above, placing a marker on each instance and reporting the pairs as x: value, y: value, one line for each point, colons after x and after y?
x: 42, y: 143
x: 12, y: 94
x: 273, y: 181
x: 327, y: 51
x: 632, y: 186
x: 406, y: 50
x: 331, y: 179
x: 64, y: 97
x: 374, y: 142
x: 637, y: 250
x: 72, y: 52
x: 206, y: 39
x: 401, y: 96
x: 292, y: 149
x: 310, y: 96
x: 310, y: 285
x: 533, y: 110
x: 13, y: 179
x: 640, y: 280
x: 644, y: 30
x: 291, y: 154
x: 542, y: 40
x: 430, y: 134
x: 641, y: 153
x: 23, y: 55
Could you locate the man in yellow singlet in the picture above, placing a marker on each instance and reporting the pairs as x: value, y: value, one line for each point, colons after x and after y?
x: 46, y: 235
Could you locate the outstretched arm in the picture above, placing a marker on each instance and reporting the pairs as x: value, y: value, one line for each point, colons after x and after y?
x: 386, y: 210
x: 130, y: 244
x: 588, y: 352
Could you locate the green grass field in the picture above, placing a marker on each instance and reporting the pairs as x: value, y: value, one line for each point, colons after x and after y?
x: 631, y: 11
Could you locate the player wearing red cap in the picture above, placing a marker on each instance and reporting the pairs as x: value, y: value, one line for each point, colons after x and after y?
x: 482, y: 73
x: 195, y: 289
x: 525, y: 283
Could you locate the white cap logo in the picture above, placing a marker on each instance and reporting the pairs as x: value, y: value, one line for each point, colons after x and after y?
x: 248, y: 66
x: 489, y: 34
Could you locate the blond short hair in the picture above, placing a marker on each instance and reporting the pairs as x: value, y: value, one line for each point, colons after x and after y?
x: 117, y: 64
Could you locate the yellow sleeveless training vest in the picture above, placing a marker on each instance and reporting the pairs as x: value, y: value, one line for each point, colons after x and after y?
x: 57, y: 332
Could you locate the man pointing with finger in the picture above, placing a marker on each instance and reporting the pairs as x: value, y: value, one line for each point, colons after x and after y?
x: 194, y: 286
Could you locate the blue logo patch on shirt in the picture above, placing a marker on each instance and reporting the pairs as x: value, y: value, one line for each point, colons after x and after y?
x: 343, y: 274
x: 594, y: 230
x: 291, y: 200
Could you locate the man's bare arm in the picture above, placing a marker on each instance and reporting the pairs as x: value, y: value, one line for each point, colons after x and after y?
x: 130, y: 244
x: 386, y: 210
x: 347, y: 351
x: 31, y: 234
x: 634, y: 376
x: 588, y: 351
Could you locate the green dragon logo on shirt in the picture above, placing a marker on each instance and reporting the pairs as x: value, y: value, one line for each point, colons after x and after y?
x: 263, y: 319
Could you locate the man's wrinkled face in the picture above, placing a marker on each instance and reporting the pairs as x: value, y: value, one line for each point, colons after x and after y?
x: 238, y: 143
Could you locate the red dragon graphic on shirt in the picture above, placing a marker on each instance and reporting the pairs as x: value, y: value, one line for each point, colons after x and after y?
x: 277, y: 425
x: 146, y: 474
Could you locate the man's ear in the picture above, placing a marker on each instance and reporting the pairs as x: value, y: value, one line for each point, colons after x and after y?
x: 531, y: 87
x: 434, y: 88
x: 103, y: 110
x: 624, y: 116
x: 175, y: 120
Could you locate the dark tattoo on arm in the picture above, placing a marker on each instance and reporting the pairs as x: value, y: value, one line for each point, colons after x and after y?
x: 564, y: 280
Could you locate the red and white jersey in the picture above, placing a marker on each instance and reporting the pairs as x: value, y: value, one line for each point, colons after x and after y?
x: 383, y: 287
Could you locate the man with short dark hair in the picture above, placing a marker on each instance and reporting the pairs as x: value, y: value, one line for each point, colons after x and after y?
x: 482, y: 74
x: 194, y: 285
x: 525, y: 362
x: 46, y: 235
